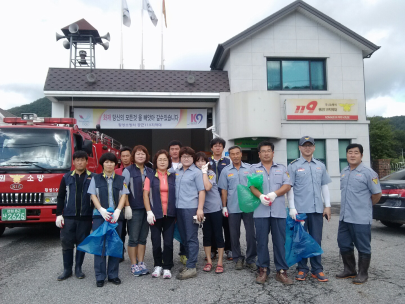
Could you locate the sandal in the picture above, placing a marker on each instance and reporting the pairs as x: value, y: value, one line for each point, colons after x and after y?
x: 219, y: 269
x: 207, y: 267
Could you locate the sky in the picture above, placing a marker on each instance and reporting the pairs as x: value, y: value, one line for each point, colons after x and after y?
x: 194, y: 29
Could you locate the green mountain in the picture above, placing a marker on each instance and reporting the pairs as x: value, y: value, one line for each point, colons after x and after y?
x: 42, y: 107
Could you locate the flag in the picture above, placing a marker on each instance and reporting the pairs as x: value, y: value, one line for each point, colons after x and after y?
x: 164, y: 11
x: 126, y: 18
x: 148, y: 7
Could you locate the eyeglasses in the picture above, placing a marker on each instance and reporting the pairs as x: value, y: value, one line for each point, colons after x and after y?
x: 186, y: 157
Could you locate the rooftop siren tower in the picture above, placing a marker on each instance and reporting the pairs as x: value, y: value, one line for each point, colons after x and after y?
x: 81, y: 38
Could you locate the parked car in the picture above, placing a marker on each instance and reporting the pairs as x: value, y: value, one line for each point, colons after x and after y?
x: 390, y: 210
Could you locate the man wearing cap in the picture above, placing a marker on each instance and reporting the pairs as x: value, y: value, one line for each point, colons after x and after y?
x: 360, y: 190
x: 309, y: 180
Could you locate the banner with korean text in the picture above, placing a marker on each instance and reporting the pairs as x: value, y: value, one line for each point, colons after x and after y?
x: 141, y: 118
x: 321, y: 109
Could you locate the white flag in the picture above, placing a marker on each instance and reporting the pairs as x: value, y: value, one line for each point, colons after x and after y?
x: 126, y: 18
x: 148, y: 7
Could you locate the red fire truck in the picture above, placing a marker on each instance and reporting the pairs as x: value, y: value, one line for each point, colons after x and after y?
x: 34, y: 155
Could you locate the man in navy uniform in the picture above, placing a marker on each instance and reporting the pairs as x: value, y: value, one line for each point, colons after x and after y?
x: 271, y: 215
x: 360, y: 190
x: 74, y: 211
x: 309, y: 180
x: 219, y: 162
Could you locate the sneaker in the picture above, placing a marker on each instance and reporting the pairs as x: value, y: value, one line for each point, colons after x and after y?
x: 167, y: 274
x: 301, y: 276
x: 143, y: 268
x: 183, y: 259
x: 239, y: 264
x: 321, y: 277
x: 282, y: 277
x: 251, y: 266
x: 188, y: 273
x: 229, y: 255
x: 135, y: 270
x: 157, y: 272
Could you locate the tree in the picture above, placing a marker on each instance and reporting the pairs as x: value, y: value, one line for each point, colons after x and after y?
x: 42, y: 107
x: 382, y: 139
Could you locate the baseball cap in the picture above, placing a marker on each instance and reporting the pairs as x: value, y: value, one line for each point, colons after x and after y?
x: 305, y: 139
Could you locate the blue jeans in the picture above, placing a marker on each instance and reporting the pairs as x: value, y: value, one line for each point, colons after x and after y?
x: 350, y: 235
x: 100, y: 262
x: 314, y: 225
x: 277, y: 228
x: 138, y: 228
x: 189, y: 234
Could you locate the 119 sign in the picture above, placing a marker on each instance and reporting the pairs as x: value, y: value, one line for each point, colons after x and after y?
x: 311, y: 106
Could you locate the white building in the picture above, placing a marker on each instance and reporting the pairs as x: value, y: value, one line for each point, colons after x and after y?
x: 297, y: 72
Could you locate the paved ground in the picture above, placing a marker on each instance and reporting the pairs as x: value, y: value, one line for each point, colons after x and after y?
x: 31, y: 260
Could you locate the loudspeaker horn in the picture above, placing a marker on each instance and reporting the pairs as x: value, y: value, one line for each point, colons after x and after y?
x: 105, y: 45
x: 106, y: 37
x: 59, y: 36
x: 66, y: 44
x: 73, y: 28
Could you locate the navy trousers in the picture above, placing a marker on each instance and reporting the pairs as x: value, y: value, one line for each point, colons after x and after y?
x: 100, y: 262
x: 189, y: 234
x: 350, y: 235
x: 235, y: 220
x: 314, y: 225
x: 277, y: 228
x: 74, y: 232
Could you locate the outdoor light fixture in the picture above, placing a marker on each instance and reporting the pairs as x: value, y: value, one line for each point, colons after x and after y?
x: 28, y: 116
x: 82, y: 55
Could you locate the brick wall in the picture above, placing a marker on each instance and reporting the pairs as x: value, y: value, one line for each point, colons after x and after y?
x: 382, y: 167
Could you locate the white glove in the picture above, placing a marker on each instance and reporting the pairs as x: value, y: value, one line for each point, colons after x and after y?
x: 116, y: 215
x: 293, y: 213
x: 59, y: 221
x: 204, y: 169
x: 272, y: 196
x: 150, y: 217
x: 128, y: 212
x: 104, y: 213
x: 225, y: 211
x: 265, y: 200
x: 179, y: 166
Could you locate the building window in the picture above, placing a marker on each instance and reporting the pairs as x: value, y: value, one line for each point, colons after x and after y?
x: 343, y: 143
x: 296, y: 74
x: 293, y: 151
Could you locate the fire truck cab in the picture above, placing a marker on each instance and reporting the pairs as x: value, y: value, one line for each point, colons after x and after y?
x: 35, y: 153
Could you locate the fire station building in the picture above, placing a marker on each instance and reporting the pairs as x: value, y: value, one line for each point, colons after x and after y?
x: 298, y: 72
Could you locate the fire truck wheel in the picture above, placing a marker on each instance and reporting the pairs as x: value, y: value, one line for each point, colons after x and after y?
x: 2, y: 228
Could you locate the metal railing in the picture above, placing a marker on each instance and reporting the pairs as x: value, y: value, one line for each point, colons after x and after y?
x: 98, y: 137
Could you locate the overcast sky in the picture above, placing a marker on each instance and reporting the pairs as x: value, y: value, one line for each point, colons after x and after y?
x: 194, y: 30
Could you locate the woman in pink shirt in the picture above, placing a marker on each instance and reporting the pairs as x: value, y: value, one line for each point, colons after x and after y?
x: 159, y: 197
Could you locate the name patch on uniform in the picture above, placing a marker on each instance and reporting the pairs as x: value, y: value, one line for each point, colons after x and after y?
x: 230, y: 174
x: 277, y: 170
x: 358, y: 174
x: 375, y: 180
x: 301, y: 169
x: 246, y: 172
x: 318, y: 168
x: 259, y: 171
x: 224, y: 164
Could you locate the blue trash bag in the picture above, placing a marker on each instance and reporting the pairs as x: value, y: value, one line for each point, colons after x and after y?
x: 299, y: 244
x: 176, y: 234
x: 104, y: 241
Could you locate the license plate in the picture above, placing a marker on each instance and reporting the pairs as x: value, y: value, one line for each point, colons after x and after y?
x: 10, y: 214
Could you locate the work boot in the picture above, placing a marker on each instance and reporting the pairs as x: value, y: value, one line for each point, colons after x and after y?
x: 239, y: 264
x: 349, y: 264
x: 188, y: 273
x: 262, y: 276
x: 67, y: 264
x: 251, y: 266
x: 282, y: 277
x: 364, y: 264
x: 79, y: 262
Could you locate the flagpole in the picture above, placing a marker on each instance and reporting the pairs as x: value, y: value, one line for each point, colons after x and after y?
x: 122, y: 21
x: 142, y: 67
x: 162, y: 67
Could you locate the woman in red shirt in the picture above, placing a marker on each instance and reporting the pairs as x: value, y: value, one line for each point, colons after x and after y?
x: 159, y: 197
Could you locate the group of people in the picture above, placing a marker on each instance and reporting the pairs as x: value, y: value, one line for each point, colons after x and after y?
x: 185, y: 190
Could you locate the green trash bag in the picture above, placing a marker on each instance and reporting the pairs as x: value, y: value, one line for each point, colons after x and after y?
x: 248, y: 202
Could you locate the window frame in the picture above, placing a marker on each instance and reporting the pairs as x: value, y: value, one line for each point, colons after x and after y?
x: 309, y: 60
x: 344, y: 158
x: 299, y: 152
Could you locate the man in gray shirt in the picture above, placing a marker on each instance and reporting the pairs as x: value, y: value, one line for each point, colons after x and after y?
x: 360, y: 190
